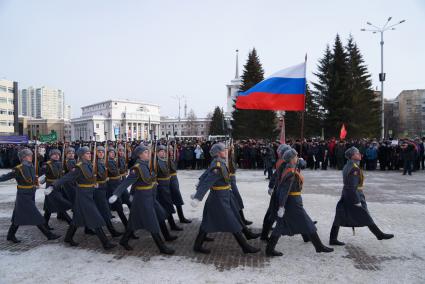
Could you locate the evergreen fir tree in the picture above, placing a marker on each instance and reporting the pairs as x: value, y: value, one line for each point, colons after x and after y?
x: 253, y: 123
x: 365, y: 118
x: 216, y: 125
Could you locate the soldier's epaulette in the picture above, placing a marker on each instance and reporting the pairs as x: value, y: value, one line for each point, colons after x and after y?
x: 18, y: 166
x: 136, y: 165
x: 218, y: 165
x: 48, y: 162
x: 78, y: 164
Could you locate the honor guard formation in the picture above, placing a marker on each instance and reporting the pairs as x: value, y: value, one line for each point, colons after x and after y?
x: 83, y: 187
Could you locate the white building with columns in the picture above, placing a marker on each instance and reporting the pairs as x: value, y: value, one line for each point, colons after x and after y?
x: 117, y: 119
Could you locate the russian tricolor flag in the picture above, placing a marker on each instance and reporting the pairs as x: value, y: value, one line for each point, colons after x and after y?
x: 284, y: 90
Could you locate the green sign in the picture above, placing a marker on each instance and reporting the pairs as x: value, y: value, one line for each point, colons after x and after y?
x: 52, y: 137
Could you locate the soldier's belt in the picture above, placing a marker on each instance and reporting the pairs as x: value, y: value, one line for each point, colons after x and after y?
x: 115, y: 178
x: 232, y: 175
x: 50, y: 180
x: 173, y: 174
x: 360, y: 188
x: 102, y: 181
x: 146, y: 187
x: 297, y: 193
x: 123, y: 174
x: 25, y: 186
x: 166, y: 178
x: 85, y: 185
x: 223, y: 187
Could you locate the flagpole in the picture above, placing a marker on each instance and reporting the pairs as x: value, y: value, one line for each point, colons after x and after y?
x: 302, y: 114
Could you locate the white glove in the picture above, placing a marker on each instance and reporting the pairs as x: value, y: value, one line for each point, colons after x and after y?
x: 96, y: 185
x: 358, y: 204
x: 131, y: 198
x: 281, y: 212
x: 112, y: 199
x: 194, y: 202
x: 42, y: 179
x: 48, y: 190
x: 270, y: 191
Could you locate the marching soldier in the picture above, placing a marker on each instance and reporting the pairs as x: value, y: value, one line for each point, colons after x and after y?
x: 123, y: 169
x: 143, y: 214
x: 351, y: 210
x: 292, y: 218
x: 85, y: 210
x: 176, y: 195
x: 25, y: 211
x: 55, y: 201
x: 163, y: 188
x: 219, y: 212
x: 100, y: 190
x: 69, y: 164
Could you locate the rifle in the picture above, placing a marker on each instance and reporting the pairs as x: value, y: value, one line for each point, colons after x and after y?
x: 94, y: 158
x: 106, y: 158
x: 36, y: 164
x: 63, y: 158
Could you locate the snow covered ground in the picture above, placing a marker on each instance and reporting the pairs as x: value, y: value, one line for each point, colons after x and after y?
x: 396, y: 202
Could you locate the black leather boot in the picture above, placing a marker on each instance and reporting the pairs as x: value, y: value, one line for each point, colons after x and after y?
x: 11, y: 234
x: 88, y: 231
x: 245, y: 221
x: 161, y: 245
x: 70, y: 235
x: 305, y: 238
x: 66, y: 217
x: 317, y: 243
x: 47, y: 233
x: 164, y: 230
x: 104, y: 240
x: 181, y: 215
x: 246, y: 248
x: 173, y: 225
x: 111, y: 229
x: 249, y: 235
x: 333, y: 239
x: 46, y: 219
x: 124, y: 240
x: 200, y: 238
x: 379, y: 234
x: 271, y: 245
x: 208, y: 239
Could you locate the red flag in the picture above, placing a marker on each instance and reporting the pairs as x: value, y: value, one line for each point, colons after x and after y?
x: 343, y: 132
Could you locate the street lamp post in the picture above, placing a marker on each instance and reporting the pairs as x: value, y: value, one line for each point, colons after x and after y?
x: 179, y: 98
x: 381, y: 30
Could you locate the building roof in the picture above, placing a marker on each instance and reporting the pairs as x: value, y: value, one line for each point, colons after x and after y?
x: 121, y: 101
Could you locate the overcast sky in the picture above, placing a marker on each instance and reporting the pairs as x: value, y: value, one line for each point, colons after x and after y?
x: 154, y: 50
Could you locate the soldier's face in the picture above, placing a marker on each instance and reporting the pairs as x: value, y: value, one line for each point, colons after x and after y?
x: 144, y: 156
x: 121, y: 152
x: 86, y: 156
x: 112, y: 155
x: 27, y: 158
x: 357, y: 156
x: 161, y: 154
x: 222, y: 154
x: 100, y: 154
x: 54, y: 157
x: 70, y: 155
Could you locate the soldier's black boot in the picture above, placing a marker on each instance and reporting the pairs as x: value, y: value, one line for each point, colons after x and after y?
x: 124, y: 221
x: 46, y: 219
x: 47, y: 233
x: 111, y: 229
x: 245, y: 221
x: 104, y: 240
x: 124, y: 240
x: 271, y: 245
x: 161, y: 245
x: 249, y: 235
x: 333, y: 239
x: 164, y: 230
x: 208, y: 239
x: 246, y: 248
x: 66, y: 217
x: 89, y: 231
x: 11, y: 234
x: 70, y: 235
x: 181, y: 215
x: 305, y: 238
x: 379, y: 234
x: 317, y: 243
x: 172, y: 223
x: 200, y: 238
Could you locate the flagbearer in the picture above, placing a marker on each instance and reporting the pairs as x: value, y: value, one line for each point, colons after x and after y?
x: 25, y: 212
x: 219, y: 212
x: 55, y: 201
x: 351, y: 210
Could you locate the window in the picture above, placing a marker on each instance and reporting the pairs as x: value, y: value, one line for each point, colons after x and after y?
x: 162, y: 133
x: 97, y: 125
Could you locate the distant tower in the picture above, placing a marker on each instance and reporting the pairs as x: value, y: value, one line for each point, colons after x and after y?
x: 233, y: 89
x: 185, y: 109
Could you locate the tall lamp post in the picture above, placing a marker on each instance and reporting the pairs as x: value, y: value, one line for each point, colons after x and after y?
x: 374, y: 29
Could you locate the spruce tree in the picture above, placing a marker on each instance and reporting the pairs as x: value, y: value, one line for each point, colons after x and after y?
x: 365, y: 118
x: 253, y: 123
x: 217, y: 120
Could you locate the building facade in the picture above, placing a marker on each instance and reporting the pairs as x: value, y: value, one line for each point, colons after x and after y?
x: 117, y: 119
x: 6, y: 107
x: 184, y: 127
x: 36, y: 127
x: 44, y: 102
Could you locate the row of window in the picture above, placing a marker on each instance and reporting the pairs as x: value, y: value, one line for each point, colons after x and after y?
x: 181, y: 126
x: 4, y: 89
x: 182, y: 133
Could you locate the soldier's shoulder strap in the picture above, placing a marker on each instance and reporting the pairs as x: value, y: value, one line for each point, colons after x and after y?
x: 78, y: 164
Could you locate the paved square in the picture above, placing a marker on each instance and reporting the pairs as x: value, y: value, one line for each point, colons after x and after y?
x: 396, y: 202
